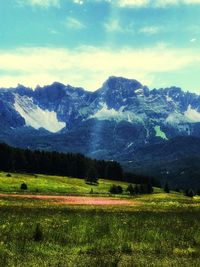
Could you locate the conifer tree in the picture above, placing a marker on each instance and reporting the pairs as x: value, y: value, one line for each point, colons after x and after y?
x: 130, y: 189
x: 166, y: 188
x: 91, y: 177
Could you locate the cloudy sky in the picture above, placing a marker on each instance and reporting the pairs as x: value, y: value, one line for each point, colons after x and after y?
x: 82, y: 42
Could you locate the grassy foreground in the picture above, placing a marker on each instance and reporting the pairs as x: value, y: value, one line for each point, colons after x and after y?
x: 162, y: 230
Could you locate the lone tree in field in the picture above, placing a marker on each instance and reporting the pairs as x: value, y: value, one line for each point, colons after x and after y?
x: 92, y: 177
x: 23, y: 186
x: 166, y: 188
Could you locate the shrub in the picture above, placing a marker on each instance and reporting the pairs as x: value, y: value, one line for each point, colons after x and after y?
x: 91, y: 191
x: 8, y: 175
x: 92, y: 177
x: 113, y: 189
x: 116, y: 189
x: 136, y: 189
x: 189, y: 193
x: 38, y: 235
x: 23, y: 186
x: 142, y: 189
x: 166, y: 188
x: 119, y: 189
x: 130, y: 189
x: 178, y: 190
x: 149, y: 188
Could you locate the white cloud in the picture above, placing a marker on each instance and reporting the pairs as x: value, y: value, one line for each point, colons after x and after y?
x: 129, y: 3
x: 164, y: 3
x: 40, y: 3
x: 47, y: 3
x: 73, y: 23
x: 152, y: 3
x: 80, y: 2
x: 149, y: 30
x: 113, y: 26
x: 119, y: 3
x: 190, y: 1
x: 89, y: 66
x: 193, y: 40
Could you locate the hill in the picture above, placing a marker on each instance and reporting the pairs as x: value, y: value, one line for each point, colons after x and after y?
x: 53, y: 185
x: 177, y: 161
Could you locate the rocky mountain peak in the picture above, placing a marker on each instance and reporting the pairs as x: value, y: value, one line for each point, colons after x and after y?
x: 119, y: 84
x: 119, y: 91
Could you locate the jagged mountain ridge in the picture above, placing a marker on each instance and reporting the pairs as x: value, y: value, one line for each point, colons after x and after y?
x: 119, y: 99
x: 117, y: 122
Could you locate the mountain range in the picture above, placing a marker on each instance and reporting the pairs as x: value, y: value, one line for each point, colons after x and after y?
x: 155, y: 132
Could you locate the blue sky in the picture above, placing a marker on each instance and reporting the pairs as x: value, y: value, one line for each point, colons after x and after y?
x: 82, y: 42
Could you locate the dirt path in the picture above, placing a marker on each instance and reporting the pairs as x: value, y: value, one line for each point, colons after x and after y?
x: 77, y: 200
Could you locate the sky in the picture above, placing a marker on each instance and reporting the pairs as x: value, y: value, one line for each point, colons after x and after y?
x: 83, y: 42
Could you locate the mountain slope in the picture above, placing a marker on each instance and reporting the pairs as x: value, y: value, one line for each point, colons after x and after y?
x: 123, y: 120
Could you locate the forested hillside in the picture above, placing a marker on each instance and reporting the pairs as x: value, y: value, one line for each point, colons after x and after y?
x: 72, y: 165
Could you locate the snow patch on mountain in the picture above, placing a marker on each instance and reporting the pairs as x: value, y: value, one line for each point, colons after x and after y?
x: 189, y: 116
x: 35, y: 116
x: 109, y: 114
x: 169, y: 99
x: 140, y: 92
x: 192, y: 115
x: 118, y: 115
x: 176, y: 118
x: 130, y: 144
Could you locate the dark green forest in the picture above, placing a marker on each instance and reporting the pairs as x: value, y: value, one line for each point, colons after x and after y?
x: 65, y: 164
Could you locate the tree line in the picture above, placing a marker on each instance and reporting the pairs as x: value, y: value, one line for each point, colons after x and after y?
x: 65, y: 164
x: 146, y: 188
x: 189, y: 192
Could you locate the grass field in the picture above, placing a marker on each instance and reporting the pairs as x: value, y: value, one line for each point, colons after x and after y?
x: 162, y: 230
x: 43, y: 184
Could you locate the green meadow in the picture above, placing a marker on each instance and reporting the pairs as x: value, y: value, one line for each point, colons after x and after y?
x: 159, y: 230
x: 43, y: 184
